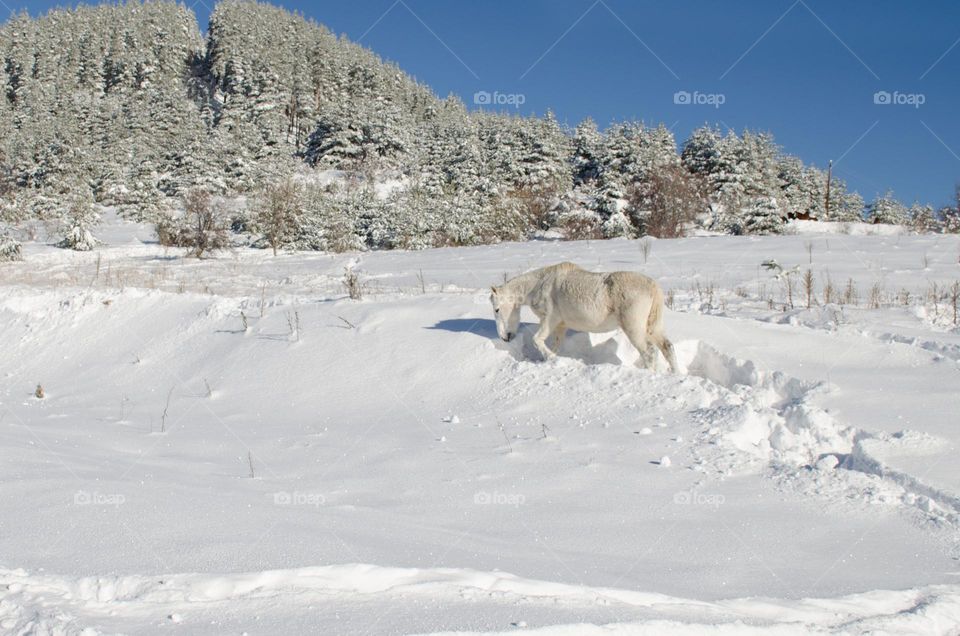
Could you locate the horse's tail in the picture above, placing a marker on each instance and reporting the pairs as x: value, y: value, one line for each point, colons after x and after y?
x: 655, y: 329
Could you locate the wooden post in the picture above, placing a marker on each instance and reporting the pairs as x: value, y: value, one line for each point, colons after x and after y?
x: 829, y: 179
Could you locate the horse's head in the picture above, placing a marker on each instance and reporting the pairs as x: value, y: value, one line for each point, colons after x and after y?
x: 506, y: 309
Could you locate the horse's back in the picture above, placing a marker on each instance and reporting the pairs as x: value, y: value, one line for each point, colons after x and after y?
x: 631, y: 283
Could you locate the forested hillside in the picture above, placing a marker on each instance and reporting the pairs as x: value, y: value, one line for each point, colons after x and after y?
x: 131, y: 106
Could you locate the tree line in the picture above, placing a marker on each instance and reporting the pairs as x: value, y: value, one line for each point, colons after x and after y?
x: 131, y: 106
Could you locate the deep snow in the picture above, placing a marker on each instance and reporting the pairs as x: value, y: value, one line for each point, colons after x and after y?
x: 388, y: 466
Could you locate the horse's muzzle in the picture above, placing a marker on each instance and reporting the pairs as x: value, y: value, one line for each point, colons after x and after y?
x: 508, y: 338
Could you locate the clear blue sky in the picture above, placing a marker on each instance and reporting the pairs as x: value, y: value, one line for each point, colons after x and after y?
x: 804, y: 70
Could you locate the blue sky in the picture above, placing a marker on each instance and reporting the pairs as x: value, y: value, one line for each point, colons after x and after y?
x: 805, y: 70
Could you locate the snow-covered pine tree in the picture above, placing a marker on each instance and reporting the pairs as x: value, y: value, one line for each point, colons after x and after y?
x: 712, y: 156
x: 922, y: 218
x: 763, y: 215
x: 847, y: 207
x: 887, y: 209
x: 10, y: 248
x: 757, y: 160
x: 334, y: 216
x: 950, y: 216
x: 78, y: 218
x: 804, y: 189
x: 588, y: 149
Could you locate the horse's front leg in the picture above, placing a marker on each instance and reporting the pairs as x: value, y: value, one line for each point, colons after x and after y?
x: 540, y: 338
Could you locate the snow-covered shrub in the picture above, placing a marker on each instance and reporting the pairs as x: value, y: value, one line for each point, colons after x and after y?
x: 78, y: 218
x: 617, y: 224
x: 10, y: 248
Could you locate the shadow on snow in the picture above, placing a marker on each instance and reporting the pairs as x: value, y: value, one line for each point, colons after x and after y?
x: 576, y: 346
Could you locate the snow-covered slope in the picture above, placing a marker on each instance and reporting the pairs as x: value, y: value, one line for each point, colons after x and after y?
x: 233, y: 446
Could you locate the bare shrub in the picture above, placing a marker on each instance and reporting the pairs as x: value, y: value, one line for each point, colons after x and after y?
x: 808, y: 287
x: 850, y: 294
x: 352, y: 283
x: 955, y: 299
x: 666, y: 202
x: 580, y: 227
x: 277, y: 213
x: 829, y: 292
x: 876, y: 296
x: 203, y: 227
x: 788, y: 289
x: 645, y: 246
x: 537, y: 206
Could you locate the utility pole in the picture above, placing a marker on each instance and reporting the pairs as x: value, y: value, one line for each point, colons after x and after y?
x: 829, y: 179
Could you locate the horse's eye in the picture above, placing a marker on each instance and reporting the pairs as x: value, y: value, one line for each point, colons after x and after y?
x: 497, y: 310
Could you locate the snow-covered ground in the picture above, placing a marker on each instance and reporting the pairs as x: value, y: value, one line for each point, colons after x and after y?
x: 233, y: 446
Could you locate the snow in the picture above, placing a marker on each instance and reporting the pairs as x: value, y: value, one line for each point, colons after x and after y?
x: 389, y: 466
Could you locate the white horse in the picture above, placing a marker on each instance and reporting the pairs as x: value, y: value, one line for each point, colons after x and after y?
x: 564, y: 296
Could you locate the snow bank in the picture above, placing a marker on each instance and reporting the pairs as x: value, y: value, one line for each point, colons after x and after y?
x: 53, y: 604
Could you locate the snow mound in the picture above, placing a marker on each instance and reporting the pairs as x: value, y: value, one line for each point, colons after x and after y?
x: 769, y: 421
x: 766, y: 416
x: 50, y: 604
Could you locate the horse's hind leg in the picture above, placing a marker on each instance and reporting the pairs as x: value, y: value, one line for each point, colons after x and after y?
x: 638, y: 338
x: 666, y: 347
x: 633, y: 322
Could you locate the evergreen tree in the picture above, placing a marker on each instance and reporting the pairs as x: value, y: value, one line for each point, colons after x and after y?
x: 10, y: 248
x: 587, y: 159
x: 78, y: 217
x: 763, y: 216
x: 922, y: 219
x: 887, y: 209
x: 950, y: 216
x: 847, y: 207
